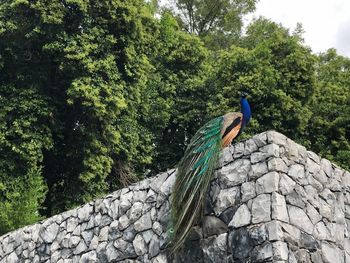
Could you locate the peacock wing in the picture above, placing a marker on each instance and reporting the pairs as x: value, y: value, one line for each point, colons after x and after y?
x: 194, y: 173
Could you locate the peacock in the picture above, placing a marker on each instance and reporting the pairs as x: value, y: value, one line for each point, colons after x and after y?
x: 196, y: 169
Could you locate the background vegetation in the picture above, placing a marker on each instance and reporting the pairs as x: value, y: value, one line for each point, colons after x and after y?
x: 97, y: 94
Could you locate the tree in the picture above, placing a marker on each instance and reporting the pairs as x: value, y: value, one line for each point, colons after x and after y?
x: 330, y: 123
x: 218, y: 23
x: 182, y: 68
x: 276, y: 69
x: 76, y: 110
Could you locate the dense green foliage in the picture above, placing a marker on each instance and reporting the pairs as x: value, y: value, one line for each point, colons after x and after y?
x: 218, y: 23
x: 96, y: 94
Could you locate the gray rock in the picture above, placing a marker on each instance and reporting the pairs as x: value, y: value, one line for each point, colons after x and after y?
x: 238, y: 150
x: 157, y: 228
x: 303, y: 255
x: 125, y: 202
x: 261, y: 208
x: 135, y: 212
x: 81, y: 247
x: 213, y: 226
x: 258, y: 234
x: 242, y: 217
x: 314, y: 216
x: 336, y: 231
x: 291, y: 234
x: 286, y: 184
x: 262, y: 253
x: 331, y: 254
x: 298, y: 218
x: 248, y: 191
x: 291, y: 258
x: 167, y: 186
x: 315, y: 183
x: 129, y: 234
x: 111, y: 253
x: 154, y: 247
x: 85, y: 212
x: 321, y: 232
x: 260, y: 139
x: 139, y: 196
x: 279, y: 208
x: 313, y: 156
x: 48, y: 231
x: 325, y: 210
x: 114, y: 211
x: 292, y: 150
x: 250, y: 147
x: 77, y: 231
x: 139, y: 245
x: 316, y: 256
x: 267, y: 183
x: 88, y: 257
x: 124, y: 222
x: 12, y: 258
x: 295, y: 199
x: 297, y: 173
x: 215, y: 248
x: 234, y: 174
x: 226, y: 156
x: 240, y: 243
x: 258, y: 169
x: 161, y: 258
x: 326, y: 166
x: 308, y: 242
x: 158, y: 181
x: 151, y: 196
x: 147, y: 235
x: 345, y: 181
x: 73, y: 241
x: 257, y: 157
x: 226, y: 198
x: 277, y: 164
x: 280, y: 250
x: 113, y: 231
x: 276, y: 137
x: 143, y: 223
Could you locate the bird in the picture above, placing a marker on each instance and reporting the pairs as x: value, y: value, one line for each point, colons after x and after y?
x: 196, y: 168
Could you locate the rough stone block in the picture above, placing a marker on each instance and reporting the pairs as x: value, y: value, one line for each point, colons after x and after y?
x: 258, y: 169
x: 331, y: 253
x: 279, y: 208
x: 277, y: 164
x: 235, y: 173
x: 299, y: 219
x: 280, y: 250
x: 286, y: 184
x: 276, y: 137
x: 261, y: 208
x: 242, y: 217
x: 248, y: 191
x: 267, y: 183
x: 226, y: 198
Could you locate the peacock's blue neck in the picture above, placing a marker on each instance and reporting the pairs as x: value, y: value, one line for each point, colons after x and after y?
x: 245, y: 109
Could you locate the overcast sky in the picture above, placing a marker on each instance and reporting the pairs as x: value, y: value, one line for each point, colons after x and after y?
x: 326, y: 22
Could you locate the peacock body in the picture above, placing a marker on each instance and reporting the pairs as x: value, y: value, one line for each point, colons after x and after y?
x: 196, y: 169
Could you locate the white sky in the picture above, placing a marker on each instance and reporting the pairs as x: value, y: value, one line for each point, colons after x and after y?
x: 326, y: 22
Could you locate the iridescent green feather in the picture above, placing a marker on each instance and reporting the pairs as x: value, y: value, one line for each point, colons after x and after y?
x: 194, y: 173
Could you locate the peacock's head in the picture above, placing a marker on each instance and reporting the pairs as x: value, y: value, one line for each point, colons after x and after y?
x: 244, y: 94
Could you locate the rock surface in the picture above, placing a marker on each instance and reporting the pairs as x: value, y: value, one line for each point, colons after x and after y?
x: 270, y: 201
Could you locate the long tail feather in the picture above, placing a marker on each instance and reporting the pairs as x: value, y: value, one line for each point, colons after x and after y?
x: 194, y: 173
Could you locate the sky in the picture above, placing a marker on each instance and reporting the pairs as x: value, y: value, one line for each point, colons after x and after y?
x: 326, y: 22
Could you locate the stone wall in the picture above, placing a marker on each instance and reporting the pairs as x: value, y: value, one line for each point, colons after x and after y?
x: 271, y: 201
